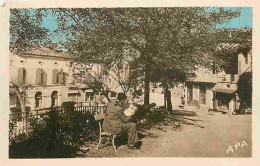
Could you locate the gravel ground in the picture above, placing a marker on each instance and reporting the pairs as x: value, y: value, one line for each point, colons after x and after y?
x: 189, y: 134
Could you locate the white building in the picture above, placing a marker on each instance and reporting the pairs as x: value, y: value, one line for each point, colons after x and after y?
x: 45, y: 73
x: 52, y: 77
x: 218, y: 90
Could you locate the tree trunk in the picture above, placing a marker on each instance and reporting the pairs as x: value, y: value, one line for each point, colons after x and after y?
x: 165, y: 98
x: 147, y: 84
x: 106, y: 95
x: 22, y: 97
x: 242, y: 107
x: 168, y: 100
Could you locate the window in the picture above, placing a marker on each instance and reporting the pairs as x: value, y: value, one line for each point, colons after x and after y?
x: 61, y: 78
x: 71, y: 64
x: 224, y: 78
x: 54, y: 98
x: 38, y: 100
x: 41, y: 77
x: 21, y: 80
x: 113, y: 94
x: 232, y: 77
x: 89, y: 96
x: 73, y: 96
x: 13, y: 100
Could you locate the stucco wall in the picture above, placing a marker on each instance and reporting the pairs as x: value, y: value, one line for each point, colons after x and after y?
x: 242, y: 65
x: 31, y: 64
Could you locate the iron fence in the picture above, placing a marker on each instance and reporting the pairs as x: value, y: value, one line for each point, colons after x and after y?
x: 19, y: 122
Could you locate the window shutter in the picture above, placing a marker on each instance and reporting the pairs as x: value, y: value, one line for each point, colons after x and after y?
x: 44, y: 77
x: 39, y: 76
x: 60, y: 78
x: 54, y: 76
x: 21, y: 76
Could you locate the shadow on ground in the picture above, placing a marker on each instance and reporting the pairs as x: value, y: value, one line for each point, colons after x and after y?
x: 174, y: 121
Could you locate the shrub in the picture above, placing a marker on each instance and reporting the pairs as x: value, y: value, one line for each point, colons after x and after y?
x: 149, y: 114
x: 155, y: 116
x: 68, y: 106
x: 55, y: 135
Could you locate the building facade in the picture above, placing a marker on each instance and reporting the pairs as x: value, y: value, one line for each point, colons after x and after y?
x: 52, y: 77
x: 45, y: 72
x: 218, y: 90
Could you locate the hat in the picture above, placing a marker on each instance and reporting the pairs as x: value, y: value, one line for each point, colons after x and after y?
x: 121, y: 96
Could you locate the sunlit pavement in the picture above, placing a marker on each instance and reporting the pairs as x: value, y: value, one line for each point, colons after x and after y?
x: 205, y: 135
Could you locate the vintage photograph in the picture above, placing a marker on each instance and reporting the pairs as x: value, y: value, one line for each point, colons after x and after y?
x: 130, y: 82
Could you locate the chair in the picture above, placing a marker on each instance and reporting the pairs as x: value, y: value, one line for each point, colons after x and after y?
x: 98, y: 118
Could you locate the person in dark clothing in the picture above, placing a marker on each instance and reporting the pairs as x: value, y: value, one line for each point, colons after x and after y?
x: 117, y: 122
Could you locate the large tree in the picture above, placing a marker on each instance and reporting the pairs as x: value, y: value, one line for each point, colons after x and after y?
x: 180, y: 37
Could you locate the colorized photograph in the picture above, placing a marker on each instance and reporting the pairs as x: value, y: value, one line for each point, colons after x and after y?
x: 130, y: 82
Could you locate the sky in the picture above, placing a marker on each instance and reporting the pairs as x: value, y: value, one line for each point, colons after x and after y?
x: 245, y: 20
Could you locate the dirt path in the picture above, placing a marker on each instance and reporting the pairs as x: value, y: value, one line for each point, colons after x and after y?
x: 202, y: 135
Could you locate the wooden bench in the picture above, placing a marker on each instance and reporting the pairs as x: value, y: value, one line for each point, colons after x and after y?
x: 112, y: 136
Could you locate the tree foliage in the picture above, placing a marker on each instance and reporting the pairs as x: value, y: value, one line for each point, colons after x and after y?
x: 231, y: 42
x: 244, y: 88
x: 26, y: 29
x: 176, y: 37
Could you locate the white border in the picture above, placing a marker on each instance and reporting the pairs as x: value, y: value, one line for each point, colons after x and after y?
x: 4, y: 65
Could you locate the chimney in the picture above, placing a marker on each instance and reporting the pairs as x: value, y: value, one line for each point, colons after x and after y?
x: 53, y: 46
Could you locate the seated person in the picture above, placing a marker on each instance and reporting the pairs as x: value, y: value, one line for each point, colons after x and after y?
x: 117, y: 122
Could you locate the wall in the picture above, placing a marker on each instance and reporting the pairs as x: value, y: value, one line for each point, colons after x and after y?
x: 209, y: 96
x: 242, y: 65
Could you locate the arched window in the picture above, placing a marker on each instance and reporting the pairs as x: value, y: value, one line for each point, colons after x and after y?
x: 21, y: 80
x: 38, y: 100
x: 54, y: 98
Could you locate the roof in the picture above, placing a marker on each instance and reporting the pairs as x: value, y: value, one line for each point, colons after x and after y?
x: 225, y: 88
x: 47, y: 52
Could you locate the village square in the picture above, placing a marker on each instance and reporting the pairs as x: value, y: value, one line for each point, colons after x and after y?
x: 186, y: 73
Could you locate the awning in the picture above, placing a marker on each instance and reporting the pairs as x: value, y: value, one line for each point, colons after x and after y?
x: 89, y: 90
x: 225, y: 88
x: 72, y: 92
